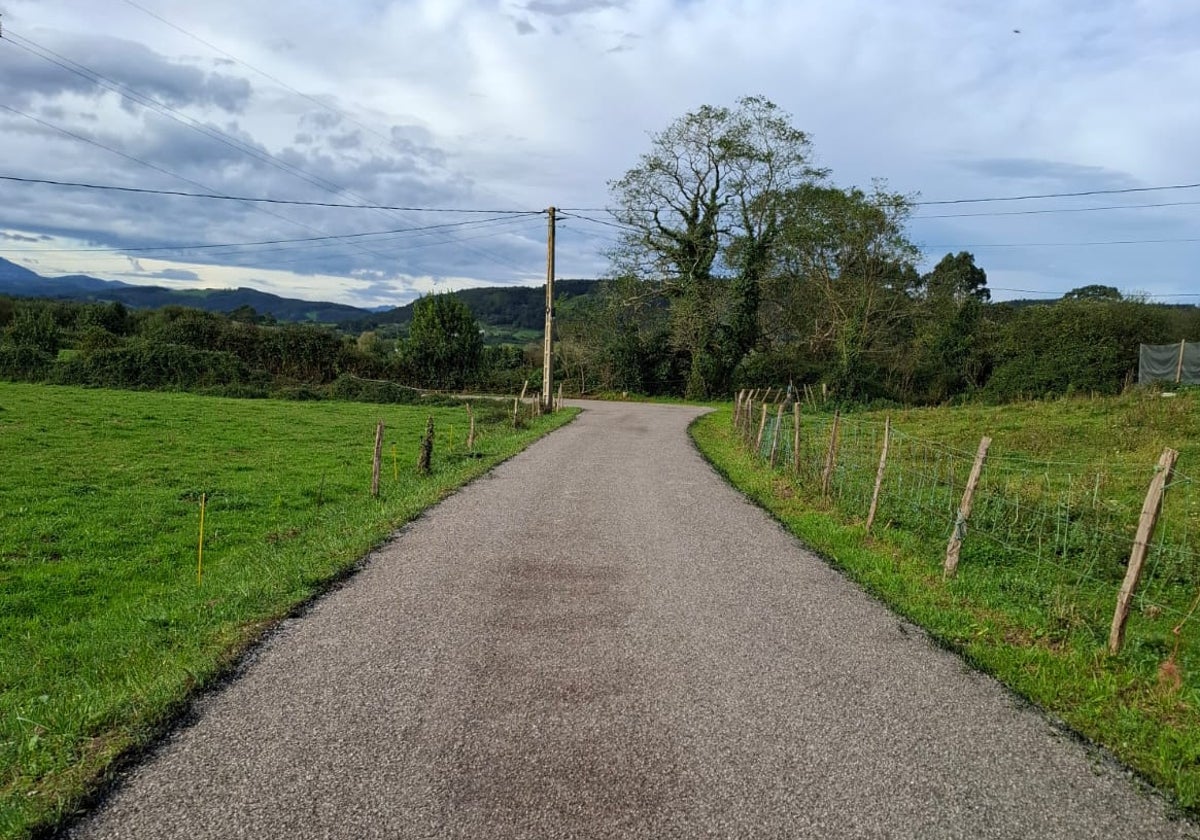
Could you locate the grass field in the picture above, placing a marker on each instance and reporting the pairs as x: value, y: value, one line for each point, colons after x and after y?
x: 105, y: 629
x: 1071, y: 476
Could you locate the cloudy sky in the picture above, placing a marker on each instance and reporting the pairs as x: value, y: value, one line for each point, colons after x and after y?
x: 515, y: 105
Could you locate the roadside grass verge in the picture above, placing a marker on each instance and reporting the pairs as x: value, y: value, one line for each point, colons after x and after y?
x: 105, y: 631
x: 1037, y: 630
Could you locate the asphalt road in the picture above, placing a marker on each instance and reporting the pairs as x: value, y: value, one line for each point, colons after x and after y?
x: 602, y: 639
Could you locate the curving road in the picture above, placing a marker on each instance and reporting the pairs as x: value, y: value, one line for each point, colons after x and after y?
x: 602, y: 639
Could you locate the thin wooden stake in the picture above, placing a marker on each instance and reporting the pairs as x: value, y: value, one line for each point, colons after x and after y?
x: 796, y: 439
x: 1179, y: 365
x: 200, y: 546
x: 831, y: 454
x: 954, y: 547
x: 471, y: 431
x: 376, y: 460
x: 762, y: 424
x: 1151, y: 508
x: 517, y: 402
x: 887, y: 436
x: 775, y: 435
x: 737, y: 408
x: 748, y: 418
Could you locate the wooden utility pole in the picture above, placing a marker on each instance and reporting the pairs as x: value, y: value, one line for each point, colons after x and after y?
x: 548, y: 351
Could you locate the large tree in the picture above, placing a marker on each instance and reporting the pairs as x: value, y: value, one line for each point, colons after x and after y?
x: 444, y: 346
x: 701, y: 213
x: 844, y: 279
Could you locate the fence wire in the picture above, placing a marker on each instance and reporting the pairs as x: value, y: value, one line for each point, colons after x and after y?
x: 1057, y: 534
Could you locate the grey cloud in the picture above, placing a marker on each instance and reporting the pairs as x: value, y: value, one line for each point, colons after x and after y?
x: 523, y: 26
x: 24, y: 75
x: 321, y: 119
x: 1034, y: 169
x: 16, y: 237
x: 174, y: 274
x: 563, y: 8
x: 350, y: 140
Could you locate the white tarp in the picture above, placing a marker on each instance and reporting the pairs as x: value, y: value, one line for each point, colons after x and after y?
x: 1170, y: 363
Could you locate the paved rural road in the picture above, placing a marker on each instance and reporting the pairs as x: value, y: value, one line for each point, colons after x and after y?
x: 602, y: 639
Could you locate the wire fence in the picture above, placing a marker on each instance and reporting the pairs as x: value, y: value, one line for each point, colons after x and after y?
x: 1051, y: 539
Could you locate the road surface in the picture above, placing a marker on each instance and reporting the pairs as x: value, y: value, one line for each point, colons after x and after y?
x: 601, y: 639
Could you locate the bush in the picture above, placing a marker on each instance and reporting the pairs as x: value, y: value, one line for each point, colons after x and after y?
x: 353, y: 389
x: 25, y: 364
x: 149, y: 364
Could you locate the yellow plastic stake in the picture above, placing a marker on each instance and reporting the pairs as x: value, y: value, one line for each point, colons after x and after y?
x: 200, y: 549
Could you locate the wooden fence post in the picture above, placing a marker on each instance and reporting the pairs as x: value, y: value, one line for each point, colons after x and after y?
x: 796, y: 439
x: 831, y: 453
x: 1179, y: 364
x: 964, y: 510
x: 762, y: 425
x: 517, y: 402
x: 375, y: 461
x: 887, y: 436
x: 737, y: 408
x: 775, y: 434
x: 1141, y: 542
x: 471, y: 431
x: 425, y: 456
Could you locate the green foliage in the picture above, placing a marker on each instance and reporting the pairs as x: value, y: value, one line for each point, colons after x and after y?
x: 150, y: 364
x: 34, y: 327
x: 372, y: 391
x: 716, y: 182
x: 444, y: 347
x: 1079, y: 345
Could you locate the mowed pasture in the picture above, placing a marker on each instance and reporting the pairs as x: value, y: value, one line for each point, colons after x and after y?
x: 107, y: 622
x: 1044, y: 554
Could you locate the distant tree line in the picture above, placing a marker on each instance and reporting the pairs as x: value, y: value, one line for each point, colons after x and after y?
x: 243, y: 354
x: 739, y: 265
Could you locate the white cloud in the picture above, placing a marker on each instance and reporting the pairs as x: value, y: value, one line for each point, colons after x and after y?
x: 516, y: 103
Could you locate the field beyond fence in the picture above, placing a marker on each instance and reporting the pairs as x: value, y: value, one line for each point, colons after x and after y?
x: 1043, y: 541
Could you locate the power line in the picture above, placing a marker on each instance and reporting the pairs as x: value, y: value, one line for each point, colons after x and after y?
x: 1053, y: 210
x: 1039, y: 196
x: 982, y: 200
x: 252, y: 199
x: 213, y: 133
x: 326, y: 106
x: 307, y: 239
x: 1061, y: 244
x: 1060, y: 294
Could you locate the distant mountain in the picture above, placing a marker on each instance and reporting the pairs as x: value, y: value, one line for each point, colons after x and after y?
x: 17, y: 281
x: 510, y: 308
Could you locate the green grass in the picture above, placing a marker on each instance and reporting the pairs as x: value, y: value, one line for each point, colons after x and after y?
x: 1037, y: 621
x: 104, y: 630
